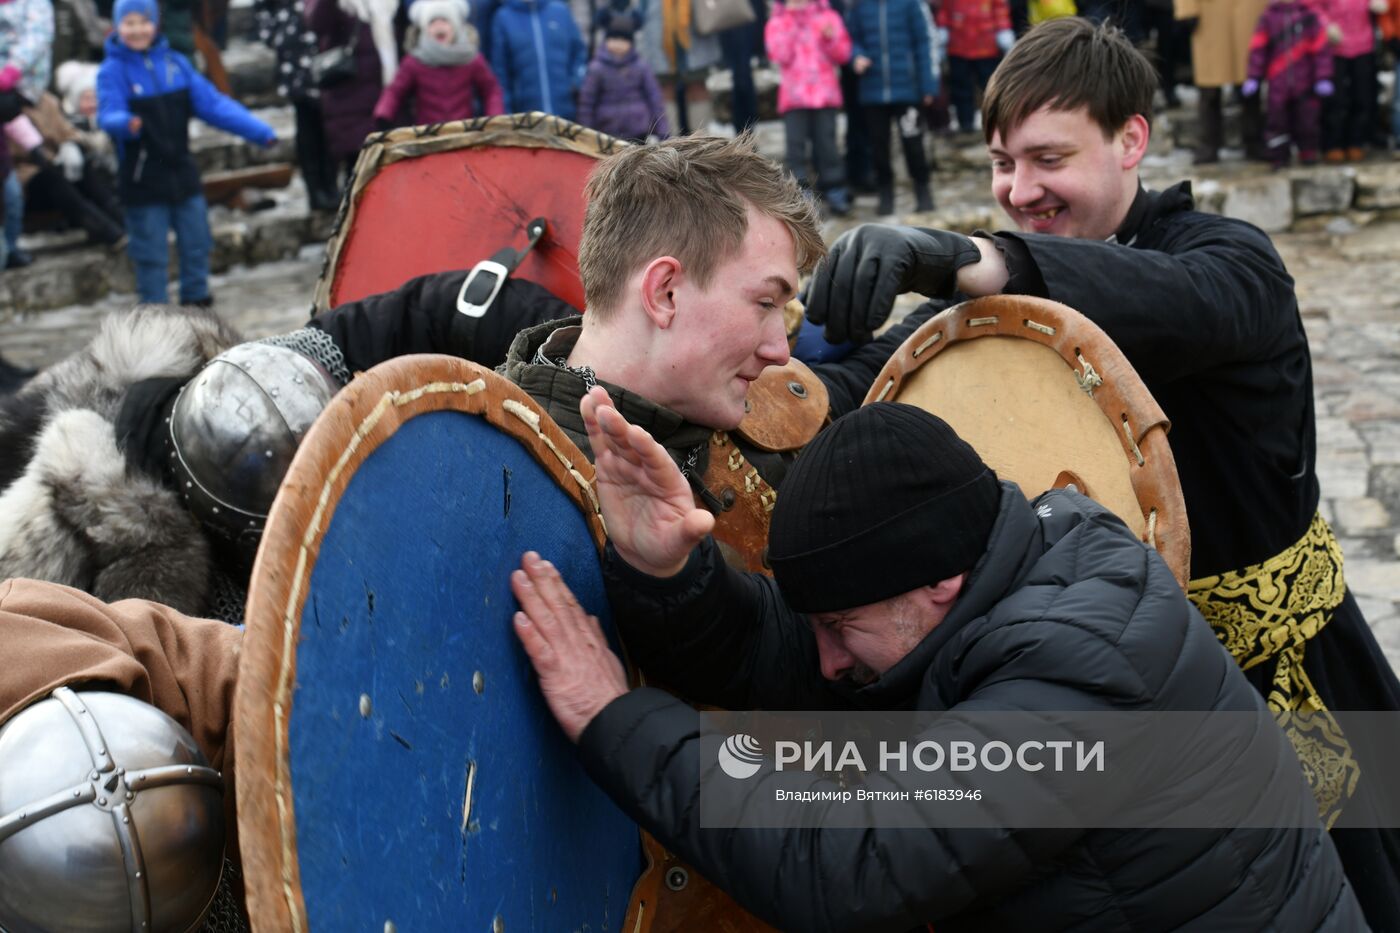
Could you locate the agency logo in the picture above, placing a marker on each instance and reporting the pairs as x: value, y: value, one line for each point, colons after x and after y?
x: 740, y: 756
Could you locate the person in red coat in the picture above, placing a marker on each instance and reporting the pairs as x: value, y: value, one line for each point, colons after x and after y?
x: 977, y: 33
x: 446, y: 75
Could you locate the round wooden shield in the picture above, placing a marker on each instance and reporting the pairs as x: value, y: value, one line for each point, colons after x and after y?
x: 436, y: 198
x: 1047, y: 399
x: 397, y: 767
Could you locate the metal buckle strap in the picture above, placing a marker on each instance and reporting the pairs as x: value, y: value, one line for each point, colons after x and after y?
x: 487, y: 277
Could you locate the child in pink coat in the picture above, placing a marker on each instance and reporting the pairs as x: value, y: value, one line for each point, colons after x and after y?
x: 445, y: 74
x: 808, y: 42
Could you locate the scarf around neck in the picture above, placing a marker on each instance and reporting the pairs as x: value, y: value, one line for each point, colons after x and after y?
x: 436, y: 55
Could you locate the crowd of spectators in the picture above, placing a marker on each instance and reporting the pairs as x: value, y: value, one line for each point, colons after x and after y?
x: 92, y: 148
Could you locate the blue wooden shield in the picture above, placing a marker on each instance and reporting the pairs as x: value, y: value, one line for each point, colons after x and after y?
x: 397, y: 768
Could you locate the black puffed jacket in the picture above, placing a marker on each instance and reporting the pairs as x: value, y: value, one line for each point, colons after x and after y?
x: 1065, y: 610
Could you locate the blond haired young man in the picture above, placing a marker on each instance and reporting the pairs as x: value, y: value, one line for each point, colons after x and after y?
x: 690, y: 250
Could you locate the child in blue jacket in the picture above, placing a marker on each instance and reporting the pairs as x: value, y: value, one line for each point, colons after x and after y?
x: 146, y: 94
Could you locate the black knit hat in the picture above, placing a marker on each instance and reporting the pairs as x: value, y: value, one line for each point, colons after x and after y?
x: 885, y: 500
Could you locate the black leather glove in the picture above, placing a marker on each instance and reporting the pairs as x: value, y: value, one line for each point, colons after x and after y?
x: 854, y: 289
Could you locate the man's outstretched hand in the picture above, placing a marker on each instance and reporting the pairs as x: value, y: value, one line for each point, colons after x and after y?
x: 579, y: 674
x: 647, y: 505
x: 853, y: 290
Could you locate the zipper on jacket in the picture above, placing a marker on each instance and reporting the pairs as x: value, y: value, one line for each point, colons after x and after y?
x: 883, y: 5
x: 141, y: 153
x: 544, y: 61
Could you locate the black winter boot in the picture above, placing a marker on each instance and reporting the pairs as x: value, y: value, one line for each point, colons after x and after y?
x: 1252, y: 129
x: 923, y: 198
x: 1210, y: 130
x: 886, y: 206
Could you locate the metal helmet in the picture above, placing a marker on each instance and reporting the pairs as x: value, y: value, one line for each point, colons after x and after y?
x: 233, y: 431
x: 110, y: 819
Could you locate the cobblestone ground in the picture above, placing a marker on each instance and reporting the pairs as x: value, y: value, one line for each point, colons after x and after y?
x: 1349, y: 292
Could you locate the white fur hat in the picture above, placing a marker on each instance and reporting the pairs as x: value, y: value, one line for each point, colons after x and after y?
x: 423, y: 12
x: 71, y: 79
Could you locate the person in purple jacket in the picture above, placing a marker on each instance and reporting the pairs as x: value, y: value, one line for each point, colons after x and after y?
x: 620, y: 95
x: 1290, y: 52
x: 445, y: 74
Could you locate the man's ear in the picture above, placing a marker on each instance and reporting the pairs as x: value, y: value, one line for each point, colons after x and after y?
x: 1134, y: 135
x: 660, y: 279
x: 945, y: 592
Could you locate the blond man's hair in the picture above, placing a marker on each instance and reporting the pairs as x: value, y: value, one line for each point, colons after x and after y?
x: 688, y: 198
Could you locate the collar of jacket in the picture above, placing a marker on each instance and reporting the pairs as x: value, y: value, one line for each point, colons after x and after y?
x: 1016, y: 542
x: 559, y: 392
x: 1148, y: 207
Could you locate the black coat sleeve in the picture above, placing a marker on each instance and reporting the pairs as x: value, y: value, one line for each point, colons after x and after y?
x: 849, y: 379
x: 1210, y: 290
x: 421, y: 317
x: 710, y: 630
x: 644, y: 750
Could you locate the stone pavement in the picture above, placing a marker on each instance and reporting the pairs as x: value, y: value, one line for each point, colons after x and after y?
x: 1349, y: 292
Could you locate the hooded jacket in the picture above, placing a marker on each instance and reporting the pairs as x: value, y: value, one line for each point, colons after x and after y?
x: 1065, y: 610
x: 538, y: 55
x: 441, y: 93
x: 620, y: 97
x: 162, y: 88
x: 809, y: 45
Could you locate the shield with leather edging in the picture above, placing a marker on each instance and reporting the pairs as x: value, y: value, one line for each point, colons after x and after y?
x: 397, y: 767
x: 1048, y: 400
x: 426, y: 199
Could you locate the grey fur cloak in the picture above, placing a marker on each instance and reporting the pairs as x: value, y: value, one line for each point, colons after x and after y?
x: 71, y: 511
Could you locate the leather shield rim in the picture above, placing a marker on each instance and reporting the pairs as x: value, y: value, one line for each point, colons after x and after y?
x: 365, y: 414
x: 533, y: 130
x: 1122, y: 396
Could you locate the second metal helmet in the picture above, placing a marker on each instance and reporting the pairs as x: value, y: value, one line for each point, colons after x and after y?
x: 234, y: 429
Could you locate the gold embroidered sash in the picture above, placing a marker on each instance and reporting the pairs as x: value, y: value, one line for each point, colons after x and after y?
x: 1269, y: 612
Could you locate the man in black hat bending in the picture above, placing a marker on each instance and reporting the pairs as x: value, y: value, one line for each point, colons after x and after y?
x: 906, y: 577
